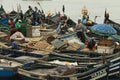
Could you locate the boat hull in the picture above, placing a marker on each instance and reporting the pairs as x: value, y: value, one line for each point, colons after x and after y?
x: 22, y: 77
x: 15, y: 77
x: 9, y: 74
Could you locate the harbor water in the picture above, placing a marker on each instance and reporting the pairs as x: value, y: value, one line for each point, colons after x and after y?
x: 72, y: 7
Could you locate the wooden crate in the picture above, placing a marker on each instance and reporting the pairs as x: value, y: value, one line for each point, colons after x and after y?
x: 105, y: 49
x: 33, y: 31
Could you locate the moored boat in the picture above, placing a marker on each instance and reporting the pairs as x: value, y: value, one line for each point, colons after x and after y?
x: 114, y: 69
x: 97, y: 72
x: 2, y: 11
x: 79, y: 58
x: 8, y: 68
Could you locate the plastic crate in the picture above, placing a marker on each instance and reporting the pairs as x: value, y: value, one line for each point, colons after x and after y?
x: 105, y: 49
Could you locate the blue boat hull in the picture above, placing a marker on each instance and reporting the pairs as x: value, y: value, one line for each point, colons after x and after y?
x: 8, y: 73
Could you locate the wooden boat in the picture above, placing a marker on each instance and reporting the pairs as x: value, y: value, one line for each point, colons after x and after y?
x: 34, y: 76
x: 117, y: 28
x: 4, y: 28
x: 115, y: 25
x: 18, y: 58
x: 13, y: 14
x: 56, y: 19
x: 115, y: 38
x: 80, y: 58
x: 114, y: 69
x: 63, y: 55
x: 89, y: 34
x: 8, y: 68
x: 97, y: 72
x: 2, y: 11
x: 18, y: 53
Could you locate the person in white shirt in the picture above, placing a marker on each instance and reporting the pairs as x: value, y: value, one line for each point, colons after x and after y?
x: 79, y: 31
x: 17, y: 36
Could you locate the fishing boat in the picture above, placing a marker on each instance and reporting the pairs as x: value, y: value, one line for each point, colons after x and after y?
x: 10, y: 60
x: 8, y: 68
x: 110, y: 70
x: 22, y: 58
x: 89, y: 33
x: 99, y: 72
x: 43, y: 70
x: 114, y: 69
x: 2, y: 11
x: 18, y: 53
x: 13, y: 14
x: 64, y: 55
x: 15, y: 54
x: 115, y: 25
x: 4, y: 28
x: 79, y: 59
x: 117, y: 28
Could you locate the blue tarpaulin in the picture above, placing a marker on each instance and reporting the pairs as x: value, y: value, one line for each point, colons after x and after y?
x: 103, y: 29
x: 4, y: 21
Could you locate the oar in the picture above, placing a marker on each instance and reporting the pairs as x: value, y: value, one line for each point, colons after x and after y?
x: 63, y: 9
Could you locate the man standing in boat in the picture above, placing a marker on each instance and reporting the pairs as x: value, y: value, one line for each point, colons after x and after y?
x: 79, y: 30
x: 85, y: 16
x: 16, y: 38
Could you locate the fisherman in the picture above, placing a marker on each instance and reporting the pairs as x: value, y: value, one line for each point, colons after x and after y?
x: 16, y: 38
x: 37, y: 18
x: 17, y: 35
x: 11, y: 23
x: 85, y: 16
x: 14, y: 44
x: 33, y: 18
x: 18, y: 24
x: 21, y: 15
x: 80, y: 30
x: 29, y: 11
x: 12, y: 26
x: 43, y: 15
x: 91, y: 44
x: 63, y: 26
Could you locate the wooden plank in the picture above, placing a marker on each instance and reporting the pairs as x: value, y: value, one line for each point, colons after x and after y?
x: 57, y: 43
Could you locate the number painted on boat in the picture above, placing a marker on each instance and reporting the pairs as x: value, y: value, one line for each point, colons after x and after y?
x: 98, y: 74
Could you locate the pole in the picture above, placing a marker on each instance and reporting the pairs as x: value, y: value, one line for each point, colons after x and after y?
x: 40, y: 6
x: 63, y: 9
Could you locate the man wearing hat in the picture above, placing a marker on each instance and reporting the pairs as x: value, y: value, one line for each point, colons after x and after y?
x: 18, y: 24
